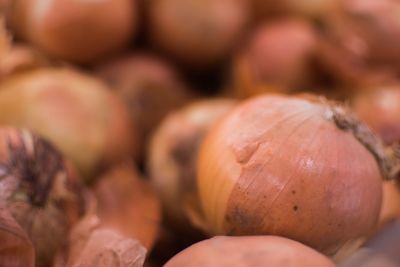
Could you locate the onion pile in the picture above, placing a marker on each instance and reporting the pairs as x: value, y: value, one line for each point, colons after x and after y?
x: 271, y: 59
x: 74, y: 111
x: 173, y: 155
x: 301, y: 168
x: 80, y: 31
x: 40, y: 191
x: 256, y: 251
x: 149, y: 87
x: 198, y: 33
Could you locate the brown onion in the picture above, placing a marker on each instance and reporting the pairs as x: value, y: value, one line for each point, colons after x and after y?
x: 81, y: 31
x: 380, y: 109
x: 150, y: 88
x: 270, y: 58
x: 129, y: 204
x: 173, y: 155
x: 391, y: 203
x: 368, y: 31
x: 108, y: 248
x: 254, y: 251
x: 16, y: 250
x: 301, y: 168
x: 74, y: 111
x: 198, y: 33
x: 39, y: 189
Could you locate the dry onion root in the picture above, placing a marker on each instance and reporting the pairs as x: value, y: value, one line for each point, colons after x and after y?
x: 173, y: 155
x: 16, y: 250
x: 270, y: 59
x: 39, y: 189
x: 129, y: 204
x: 301, y: 168
x: 198, y: 33
x: 80, y: 31
x: 255, y: 251
x: 74, y: 111
x: 149, y: 87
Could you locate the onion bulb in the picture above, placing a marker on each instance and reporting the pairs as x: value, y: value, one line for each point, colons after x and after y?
x: 368, y: 30
x: 301, y: 168
x: 173, y: 155
x: 16, y: 250
x: 74, y: 111
x: 39, y: 189
x: 254, y: 251
x: 79, y: 30
x: 198, y: 33
x: 269, y: 58
x: 129, y: 204
x: 149, y: 87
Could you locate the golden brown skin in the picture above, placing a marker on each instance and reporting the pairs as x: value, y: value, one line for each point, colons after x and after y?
x: 74, y: 111
x: 40, y: 190
x: 254, y: 251
x: 173, y: 155
x: 77, y: 30
x: 128, y: 203
x: 16, y: 250
x: 198, y: 33
x: 150, y: 88
x: 279, y: 165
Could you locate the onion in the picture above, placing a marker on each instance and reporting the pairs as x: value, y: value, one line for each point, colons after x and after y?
x: 255, y: 251
x: 380, y: 109
x: 39, y: 189
x: 74, y: 111
x: 80, y: 31
x: 368, y: 30
x: 129, y: 204
x: 16, y: 250
x: 390, y: 203
x: 198, y: 33
x: 173, y: 154
x: 107, y: 248
x: 150, y: 88
x: 296, y: 167
x: 270, y: 58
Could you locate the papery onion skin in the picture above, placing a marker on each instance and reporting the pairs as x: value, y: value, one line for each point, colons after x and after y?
x: 150, y: 88
x: 173, y: 155
x: 80, y: 31
x: 254, y: 251
x: 269, y: 58
x: 280, y: 165
x: 108, y: 248
x: 40, y: 190
x: 74, y: 111
x: 197, y: 33
x: 129, y: 204
x: 16, y: 250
